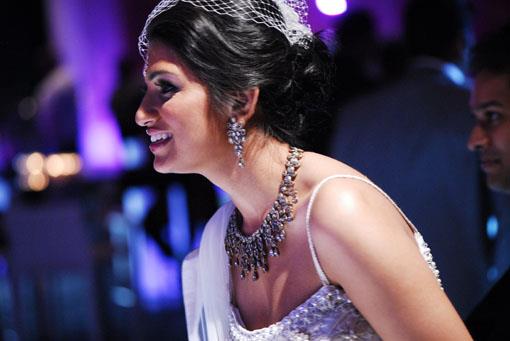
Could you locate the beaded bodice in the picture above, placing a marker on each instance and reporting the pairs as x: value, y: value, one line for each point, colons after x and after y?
x: 328, y: 314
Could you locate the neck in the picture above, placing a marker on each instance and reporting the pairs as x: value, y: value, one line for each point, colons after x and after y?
x: 254, y: 188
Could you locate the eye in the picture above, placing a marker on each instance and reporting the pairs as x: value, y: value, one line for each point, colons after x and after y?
x: 492, y: 117
x: 166, y: 88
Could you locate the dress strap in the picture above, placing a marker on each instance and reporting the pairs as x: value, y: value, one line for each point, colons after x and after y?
x: 315, y: 191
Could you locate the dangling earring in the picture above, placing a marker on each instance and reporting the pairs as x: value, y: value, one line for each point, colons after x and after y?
x: 236, y: 136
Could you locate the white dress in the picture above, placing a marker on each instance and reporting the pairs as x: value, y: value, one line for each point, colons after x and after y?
x: 327, y: 315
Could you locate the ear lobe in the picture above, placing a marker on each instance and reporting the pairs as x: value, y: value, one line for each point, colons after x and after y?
x: 246, y: 103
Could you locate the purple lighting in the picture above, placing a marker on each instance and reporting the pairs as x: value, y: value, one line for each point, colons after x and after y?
x: 88, y: 38
x: 331, y: 7
x: 156, y: 276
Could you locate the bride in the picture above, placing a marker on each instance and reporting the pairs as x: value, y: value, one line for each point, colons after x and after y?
x: 308, y: 248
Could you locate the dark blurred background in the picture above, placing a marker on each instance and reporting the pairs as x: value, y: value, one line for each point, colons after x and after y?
x: 91, y: 238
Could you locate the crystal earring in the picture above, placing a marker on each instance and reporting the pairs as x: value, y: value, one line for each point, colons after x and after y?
x: 236, y: 136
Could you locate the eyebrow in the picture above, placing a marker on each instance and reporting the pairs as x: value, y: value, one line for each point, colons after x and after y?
x: 154, y: 74
x: 485, y: 105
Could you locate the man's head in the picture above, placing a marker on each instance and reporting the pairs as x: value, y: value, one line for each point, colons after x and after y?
x: 490, y: 103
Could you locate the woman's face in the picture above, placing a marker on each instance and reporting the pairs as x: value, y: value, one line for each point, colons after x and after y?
x: 185, y: 135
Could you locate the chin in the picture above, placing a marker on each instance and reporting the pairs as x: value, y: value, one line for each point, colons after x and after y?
x: 162, y: 167
x: 499, y: 184
x: 169, y: 168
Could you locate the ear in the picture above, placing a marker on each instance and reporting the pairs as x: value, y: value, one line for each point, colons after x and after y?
x: 245, y: 104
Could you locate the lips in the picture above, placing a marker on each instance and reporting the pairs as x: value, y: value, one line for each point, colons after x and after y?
x: 158, y: 139
x: 490, y: 164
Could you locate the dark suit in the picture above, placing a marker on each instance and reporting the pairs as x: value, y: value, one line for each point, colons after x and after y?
x: 410, y: 138
x: 490, y: 319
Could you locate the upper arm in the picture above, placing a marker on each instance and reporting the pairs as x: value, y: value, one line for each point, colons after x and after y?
x: 365, y: 246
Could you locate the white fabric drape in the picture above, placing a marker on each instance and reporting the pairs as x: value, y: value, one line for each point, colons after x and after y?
x: 206, y: 279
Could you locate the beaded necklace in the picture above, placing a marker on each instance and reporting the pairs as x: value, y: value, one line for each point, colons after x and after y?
x: 251, y: 253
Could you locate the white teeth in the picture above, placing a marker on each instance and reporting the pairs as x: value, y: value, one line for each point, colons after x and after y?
x: 159, y: 137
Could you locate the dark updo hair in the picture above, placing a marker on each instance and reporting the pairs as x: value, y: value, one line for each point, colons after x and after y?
x: 230, y: 55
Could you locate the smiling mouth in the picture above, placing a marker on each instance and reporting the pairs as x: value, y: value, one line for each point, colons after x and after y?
x: 159, y: 140
x: 156, y: 138
x: 490, y: 164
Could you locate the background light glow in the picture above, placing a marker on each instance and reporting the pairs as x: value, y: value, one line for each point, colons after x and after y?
x: 332, y: 7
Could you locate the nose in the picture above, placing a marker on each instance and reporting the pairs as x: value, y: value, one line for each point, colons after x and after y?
x: 478, y: 139
x: 145, y: 116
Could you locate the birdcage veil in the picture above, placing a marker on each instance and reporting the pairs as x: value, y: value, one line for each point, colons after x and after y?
x: 290, y: 17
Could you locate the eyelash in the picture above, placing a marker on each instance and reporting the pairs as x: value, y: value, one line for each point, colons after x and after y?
x: 490, y: 119
x: 166, y: 87
x: 492, y: 116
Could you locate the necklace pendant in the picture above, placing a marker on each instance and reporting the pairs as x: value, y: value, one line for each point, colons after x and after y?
x: 275, y: 251
x: 251, y: 253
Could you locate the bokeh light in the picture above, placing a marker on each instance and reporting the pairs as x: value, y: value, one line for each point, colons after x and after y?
x: 35, y: 163
x: 19, y: 164
x: 27, y: 108
x: 55, y: 165
x: 332, y: 7
x: 37, y: 182
x: 35, y: 170
x: 72, y: 163
x: 5, y: 195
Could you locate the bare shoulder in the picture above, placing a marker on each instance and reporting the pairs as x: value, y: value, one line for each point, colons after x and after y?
x: 347, y: 198
x: 365, y: 245
x: 350, y: 218
x: 316, y: 167
x: 350, y: 207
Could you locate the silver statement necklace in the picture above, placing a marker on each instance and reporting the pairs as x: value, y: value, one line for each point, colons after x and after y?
x: 251, y: 252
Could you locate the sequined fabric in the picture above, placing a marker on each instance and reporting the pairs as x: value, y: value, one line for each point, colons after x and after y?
x: 326, y: 315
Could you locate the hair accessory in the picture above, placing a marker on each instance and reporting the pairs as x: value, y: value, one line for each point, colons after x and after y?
x: 290, y: 17
x: 251, y: 252
x: 236, y: 136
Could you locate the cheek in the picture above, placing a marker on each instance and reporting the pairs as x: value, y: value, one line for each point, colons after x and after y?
x: 210, y: 131
x: 208, y: 122
x: 506, y: 145
x: 502, y: 138
x: 196, y: 124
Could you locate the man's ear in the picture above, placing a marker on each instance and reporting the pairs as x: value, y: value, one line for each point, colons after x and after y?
x: 245, y: 104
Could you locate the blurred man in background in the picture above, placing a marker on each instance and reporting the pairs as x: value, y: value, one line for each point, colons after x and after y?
x: 490, y: 103
x: 490, y: 139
